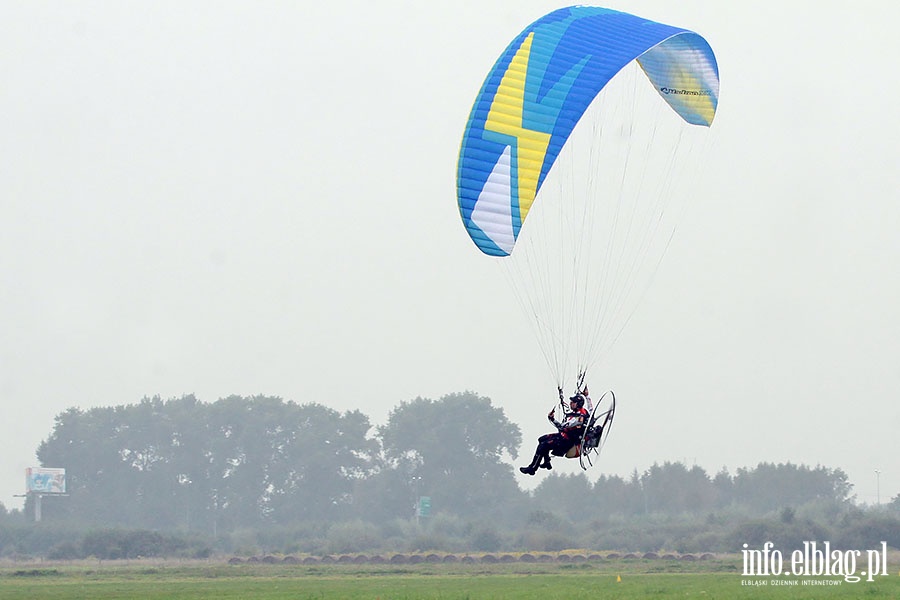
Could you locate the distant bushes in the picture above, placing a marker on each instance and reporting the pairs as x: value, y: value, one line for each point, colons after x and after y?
x: 540, y: 533
x: 864, y: 531
x: 112, y: 544
x: 119, y: 543
x: 57, y: 543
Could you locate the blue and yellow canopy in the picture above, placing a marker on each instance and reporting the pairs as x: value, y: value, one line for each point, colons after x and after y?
x: 541, y: 86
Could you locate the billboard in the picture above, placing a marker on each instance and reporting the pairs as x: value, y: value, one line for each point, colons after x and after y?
x: 42, y: 480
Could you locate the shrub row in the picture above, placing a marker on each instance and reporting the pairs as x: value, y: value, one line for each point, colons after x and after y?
x: 411, y: 559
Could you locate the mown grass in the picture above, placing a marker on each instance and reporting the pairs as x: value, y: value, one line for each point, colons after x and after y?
x: 623, y: 580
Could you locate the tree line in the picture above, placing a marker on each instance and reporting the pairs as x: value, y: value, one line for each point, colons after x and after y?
x: 271, y: 466
x: 250, y: 462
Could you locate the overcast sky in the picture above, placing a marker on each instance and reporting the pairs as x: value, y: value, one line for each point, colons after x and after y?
x: 259, y: 198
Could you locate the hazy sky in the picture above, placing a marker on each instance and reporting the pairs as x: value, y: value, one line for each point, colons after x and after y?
x: 259, y: 198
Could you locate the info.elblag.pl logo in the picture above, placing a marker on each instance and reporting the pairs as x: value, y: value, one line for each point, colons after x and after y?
x: 813, y: 560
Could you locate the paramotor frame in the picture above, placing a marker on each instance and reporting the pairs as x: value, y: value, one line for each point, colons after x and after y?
x: 596, y: 431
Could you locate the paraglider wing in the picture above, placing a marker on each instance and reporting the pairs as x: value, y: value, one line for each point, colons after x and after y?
x: 541, y: 86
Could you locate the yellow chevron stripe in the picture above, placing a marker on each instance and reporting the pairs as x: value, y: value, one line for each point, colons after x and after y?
x: 505, y: 116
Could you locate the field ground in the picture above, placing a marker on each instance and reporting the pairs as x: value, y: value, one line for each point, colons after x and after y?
x: 616, y: 579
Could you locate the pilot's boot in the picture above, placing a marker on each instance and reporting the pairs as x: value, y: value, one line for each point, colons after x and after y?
x: 533, y: 467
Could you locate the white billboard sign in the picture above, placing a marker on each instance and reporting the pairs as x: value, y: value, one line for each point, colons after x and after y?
x: 43, y: 480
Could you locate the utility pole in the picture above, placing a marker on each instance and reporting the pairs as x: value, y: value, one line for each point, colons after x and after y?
x: 37, y: 502
x: 877, y: 487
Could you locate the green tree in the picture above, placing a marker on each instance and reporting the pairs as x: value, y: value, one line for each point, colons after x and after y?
x: 388, y: 493
x: 564, y: 494
x: 772, y: 486
x: 672, y: 488
x: 184, y: 463
x: 618, y: 496
x: 723, y: 484
x: 451, y: 450
x: 894, y: 504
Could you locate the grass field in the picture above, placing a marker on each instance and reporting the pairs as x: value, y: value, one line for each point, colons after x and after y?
x: 718, y: 578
